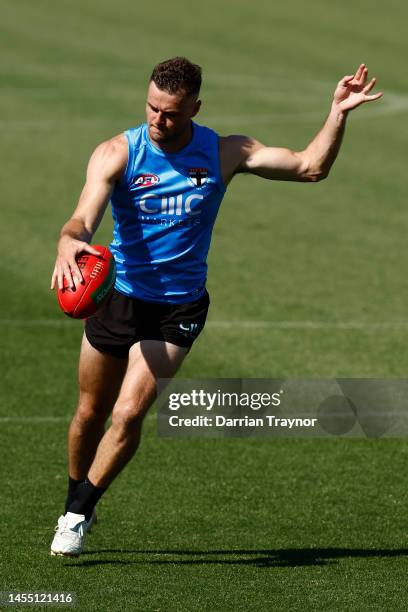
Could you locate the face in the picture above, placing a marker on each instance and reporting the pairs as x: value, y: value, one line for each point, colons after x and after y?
x: 169, y: 115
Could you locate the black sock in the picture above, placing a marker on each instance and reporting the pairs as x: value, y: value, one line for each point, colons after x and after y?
x: 72, y: 487
x: 86, y: 498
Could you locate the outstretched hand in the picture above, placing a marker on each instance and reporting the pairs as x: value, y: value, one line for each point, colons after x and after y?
x: 353, y: 90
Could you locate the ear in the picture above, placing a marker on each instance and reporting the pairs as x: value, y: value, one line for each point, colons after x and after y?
x: 197, y: 106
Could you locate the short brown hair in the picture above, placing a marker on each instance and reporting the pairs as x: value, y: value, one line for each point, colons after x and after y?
x: 176, y: 74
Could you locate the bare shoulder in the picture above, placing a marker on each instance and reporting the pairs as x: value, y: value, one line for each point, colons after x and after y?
x: 110, y: 157
x: 235, y: 150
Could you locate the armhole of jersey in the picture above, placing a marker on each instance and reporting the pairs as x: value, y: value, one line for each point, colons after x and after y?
x: 131, y: 156
x: 220, y: 178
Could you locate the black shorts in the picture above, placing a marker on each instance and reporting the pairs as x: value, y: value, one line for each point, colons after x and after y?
x: 122, y: 321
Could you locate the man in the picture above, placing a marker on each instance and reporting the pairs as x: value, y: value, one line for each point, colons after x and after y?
x: 165, y: 180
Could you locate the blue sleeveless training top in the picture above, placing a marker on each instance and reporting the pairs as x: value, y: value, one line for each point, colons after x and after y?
x: 164, y: 210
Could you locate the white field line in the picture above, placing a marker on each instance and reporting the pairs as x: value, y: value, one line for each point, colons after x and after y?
x: 363, y: 325
x: 392, y: 104
x: 49, y: 419
x: 35, y: 419
x: 235, y: 324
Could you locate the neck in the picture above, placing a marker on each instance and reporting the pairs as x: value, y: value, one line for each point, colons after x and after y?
x: 176, y: 144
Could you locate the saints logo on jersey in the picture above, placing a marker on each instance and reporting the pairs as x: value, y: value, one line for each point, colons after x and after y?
x: 198, y: 176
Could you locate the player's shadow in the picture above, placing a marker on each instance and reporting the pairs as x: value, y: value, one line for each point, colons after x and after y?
x: 261, y: 558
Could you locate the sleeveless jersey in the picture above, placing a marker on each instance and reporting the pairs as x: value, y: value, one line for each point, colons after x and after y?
x: 164, y: 209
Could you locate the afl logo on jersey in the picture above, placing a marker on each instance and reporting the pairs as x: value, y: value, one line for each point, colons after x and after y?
x: 146, y: 180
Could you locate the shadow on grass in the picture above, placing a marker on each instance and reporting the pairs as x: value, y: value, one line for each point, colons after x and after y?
x: 262, y: 558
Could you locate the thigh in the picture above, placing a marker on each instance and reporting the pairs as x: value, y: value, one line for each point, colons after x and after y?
x: 100, y: 376
x: 148, y: 361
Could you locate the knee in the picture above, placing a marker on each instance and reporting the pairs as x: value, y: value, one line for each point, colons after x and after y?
x: 127, y: 417
x: 89, y: 410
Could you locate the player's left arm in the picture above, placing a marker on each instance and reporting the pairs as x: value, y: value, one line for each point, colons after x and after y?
x: 314, y: 162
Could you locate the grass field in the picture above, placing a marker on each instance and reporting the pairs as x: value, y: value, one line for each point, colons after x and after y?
x: 213, y: 525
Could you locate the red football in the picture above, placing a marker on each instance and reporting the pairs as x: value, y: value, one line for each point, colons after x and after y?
x: 99, y: 273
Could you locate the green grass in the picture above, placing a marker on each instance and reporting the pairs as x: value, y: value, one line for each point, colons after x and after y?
x: 231, y: 524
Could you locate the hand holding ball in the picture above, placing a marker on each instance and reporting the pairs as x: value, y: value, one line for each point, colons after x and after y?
x: 98, y: 273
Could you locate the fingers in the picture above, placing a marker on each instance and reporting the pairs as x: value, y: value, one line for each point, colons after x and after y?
x: 361, y: 74
x: 53, y: 278
x: 60, y: 277
x: 75, y: 273
x: 66, y: 266
x: 68, y: 270
x: 369, y: 85
x: 374, y: 96
x: 368, y: 88
x: 345, y: 80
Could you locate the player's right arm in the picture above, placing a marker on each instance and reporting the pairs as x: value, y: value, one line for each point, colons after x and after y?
x: 105, y: 168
